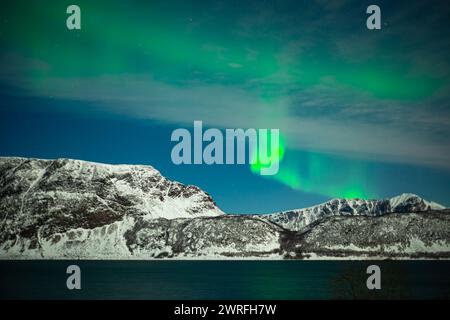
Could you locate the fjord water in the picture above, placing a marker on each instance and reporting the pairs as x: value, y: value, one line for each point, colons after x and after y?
x: 224, y: 280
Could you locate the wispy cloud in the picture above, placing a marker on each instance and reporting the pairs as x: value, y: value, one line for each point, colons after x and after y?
x: 323, y: 118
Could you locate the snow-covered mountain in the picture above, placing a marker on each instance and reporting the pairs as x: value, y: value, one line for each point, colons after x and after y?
x: 297, y: 219
x: 70, y: 209
x: 59, y: 195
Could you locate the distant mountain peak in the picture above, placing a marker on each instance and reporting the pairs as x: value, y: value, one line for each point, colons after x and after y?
x: 406, y: 199
x: 300, y: 218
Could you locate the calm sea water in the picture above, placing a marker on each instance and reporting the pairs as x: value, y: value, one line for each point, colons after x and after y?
x: 223, y: 280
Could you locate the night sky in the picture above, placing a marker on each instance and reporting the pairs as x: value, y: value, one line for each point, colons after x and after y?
x: 362, y: 113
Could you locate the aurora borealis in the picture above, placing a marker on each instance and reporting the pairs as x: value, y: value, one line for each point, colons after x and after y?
x: 362, y: 113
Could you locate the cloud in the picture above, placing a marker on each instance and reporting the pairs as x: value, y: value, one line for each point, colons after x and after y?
x: 324, y: 118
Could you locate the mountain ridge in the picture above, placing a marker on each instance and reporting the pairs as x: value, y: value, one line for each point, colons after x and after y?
x: 299, y: 218
x: 68, y: 208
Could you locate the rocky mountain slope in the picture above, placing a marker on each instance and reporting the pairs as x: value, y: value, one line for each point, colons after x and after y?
x: 76, y: 209
x: 58, y: 195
